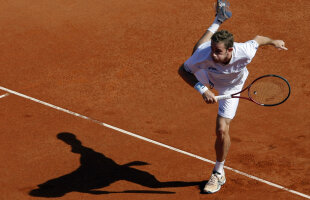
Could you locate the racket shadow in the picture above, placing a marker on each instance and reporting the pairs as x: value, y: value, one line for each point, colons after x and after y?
x: 98, y: 171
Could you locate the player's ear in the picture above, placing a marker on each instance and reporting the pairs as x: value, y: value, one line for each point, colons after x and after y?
x: 230, y: 49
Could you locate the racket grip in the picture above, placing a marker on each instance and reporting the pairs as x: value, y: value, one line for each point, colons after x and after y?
x: 222, y: 97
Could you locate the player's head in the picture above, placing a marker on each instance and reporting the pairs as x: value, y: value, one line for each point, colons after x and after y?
x: 222, y: 46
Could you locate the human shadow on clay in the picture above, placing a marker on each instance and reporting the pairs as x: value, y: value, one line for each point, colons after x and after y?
x: 98, y: 171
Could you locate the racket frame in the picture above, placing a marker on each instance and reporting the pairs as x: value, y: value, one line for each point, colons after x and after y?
x: 228, y: 96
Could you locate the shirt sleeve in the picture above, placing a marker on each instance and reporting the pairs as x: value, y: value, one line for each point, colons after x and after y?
x: 249, y: 48
x: 191, y: 65
x: 188, y: 66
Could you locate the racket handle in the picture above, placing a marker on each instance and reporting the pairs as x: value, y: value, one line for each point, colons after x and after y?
x: 222, y: 97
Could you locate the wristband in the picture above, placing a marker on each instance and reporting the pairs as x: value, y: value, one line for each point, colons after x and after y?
x: 200, y: 88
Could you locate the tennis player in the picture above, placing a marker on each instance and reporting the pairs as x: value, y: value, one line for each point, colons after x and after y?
x: 220, y: 63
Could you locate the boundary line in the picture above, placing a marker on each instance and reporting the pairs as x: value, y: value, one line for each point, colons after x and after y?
x: 152, y: 141
x: 4, y: 95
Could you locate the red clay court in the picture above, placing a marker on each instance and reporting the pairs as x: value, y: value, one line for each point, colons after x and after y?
x: 90, y: 89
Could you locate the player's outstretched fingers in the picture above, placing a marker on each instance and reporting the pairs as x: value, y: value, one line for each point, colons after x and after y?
x: 280, y: 44
x: 283, y: 48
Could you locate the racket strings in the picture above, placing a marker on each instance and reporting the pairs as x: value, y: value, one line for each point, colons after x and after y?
x: 269, y: 90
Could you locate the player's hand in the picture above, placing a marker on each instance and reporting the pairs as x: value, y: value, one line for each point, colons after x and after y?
x: 209, y: 97
x: 280, y: 44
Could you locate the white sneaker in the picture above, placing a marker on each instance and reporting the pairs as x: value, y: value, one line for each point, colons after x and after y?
x: 215, y: 182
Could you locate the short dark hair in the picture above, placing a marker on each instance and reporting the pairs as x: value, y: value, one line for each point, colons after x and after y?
x: 223, y: 36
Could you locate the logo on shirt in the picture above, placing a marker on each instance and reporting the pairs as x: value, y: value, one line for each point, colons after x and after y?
x: 212, y: 69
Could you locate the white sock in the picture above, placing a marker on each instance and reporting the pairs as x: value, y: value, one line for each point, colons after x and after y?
x: 215, y: 26
x: 219, y: 167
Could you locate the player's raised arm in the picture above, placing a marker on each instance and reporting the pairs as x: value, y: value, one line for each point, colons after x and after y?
x: 262, y: 40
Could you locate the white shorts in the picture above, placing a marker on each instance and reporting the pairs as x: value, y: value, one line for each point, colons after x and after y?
x: 228, y: 107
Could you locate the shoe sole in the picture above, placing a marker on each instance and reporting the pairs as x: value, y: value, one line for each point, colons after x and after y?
x: 223, y: 9
x: 211, y: 192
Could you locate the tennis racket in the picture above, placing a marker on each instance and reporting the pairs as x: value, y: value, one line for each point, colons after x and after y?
x: 267, y: 90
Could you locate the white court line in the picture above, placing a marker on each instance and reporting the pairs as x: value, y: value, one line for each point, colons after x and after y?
x: 152, y: 141
x: 4, y: 95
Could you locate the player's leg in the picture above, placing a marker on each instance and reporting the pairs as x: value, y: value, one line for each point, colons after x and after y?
x: 226, y: 112
x: 222, y: 145
x: 222, y: 142
x: 222, y: 14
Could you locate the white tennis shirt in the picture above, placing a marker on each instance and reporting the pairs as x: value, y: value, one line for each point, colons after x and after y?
x: 227, y: 77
